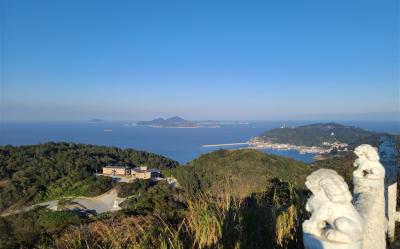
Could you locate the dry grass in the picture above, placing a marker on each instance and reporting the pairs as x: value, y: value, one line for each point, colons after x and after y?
x: 211, y: 221
x: 204, y: 220
x: 285, y: 226
x: 140, y: 232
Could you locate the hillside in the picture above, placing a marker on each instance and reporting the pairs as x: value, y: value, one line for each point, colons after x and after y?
x: 29, y: 172
x: 33, y: 173
x: 246, y: 171
x: 227, y: 199
x: 317, y: 134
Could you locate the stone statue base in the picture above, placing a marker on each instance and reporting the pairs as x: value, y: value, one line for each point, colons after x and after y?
x: 313, y: 242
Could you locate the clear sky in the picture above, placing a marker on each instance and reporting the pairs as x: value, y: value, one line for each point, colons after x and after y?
x: 254, y: 60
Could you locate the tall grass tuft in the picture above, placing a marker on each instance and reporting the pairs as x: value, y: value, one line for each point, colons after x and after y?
x: 285, y: 226
x: 212, y: 217
x: 139, y: 232
x: 204, y: 220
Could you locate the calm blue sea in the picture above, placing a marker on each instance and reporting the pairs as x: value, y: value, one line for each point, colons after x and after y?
x: 182, y: 145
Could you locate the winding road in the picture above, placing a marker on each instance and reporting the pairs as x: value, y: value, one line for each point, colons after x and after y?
x: 106, y: 202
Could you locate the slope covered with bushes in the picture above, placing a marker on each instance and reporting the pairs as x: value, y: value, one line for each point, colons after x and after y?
x: 52, y: 170
x: 316, y: 134
x: 245, y: 171
x: 226, y: 199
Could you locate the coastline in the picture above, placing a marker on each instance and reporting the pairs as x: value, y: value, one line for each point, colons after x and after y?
x: 258, y: 144
x: 301, y: 149
x: 263, y: 145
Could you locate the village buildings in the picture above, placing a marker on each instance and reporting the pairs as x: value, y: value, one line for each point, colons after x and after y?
x: 141, y: 172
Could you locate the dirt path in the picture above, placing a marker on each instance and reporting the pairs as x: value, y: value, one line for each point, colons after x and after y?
x: 102, y: 203
x: 98, y: 204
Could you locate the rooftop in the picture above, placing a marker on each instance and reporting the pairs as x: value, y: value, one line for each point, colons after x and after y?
x: 117, y: 166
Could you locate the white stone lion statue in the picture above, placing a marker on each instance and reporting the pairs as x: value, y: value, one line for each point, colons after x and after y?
x: 367, y: 163
x: 333, y: 216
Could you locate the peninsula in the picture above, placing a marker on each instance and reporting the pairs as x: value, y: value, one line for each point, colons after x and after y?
x: 317, y: 138
x: 320, y: 138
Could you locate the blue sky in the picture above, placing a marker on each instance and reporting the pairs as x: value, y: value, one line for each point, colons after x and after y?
x: 254, y: 60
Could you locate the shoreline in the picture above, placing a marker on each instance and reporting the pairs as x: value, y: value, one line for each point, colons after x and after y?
x: 260, y: 145
x: 258, y: 142
x: 300, y: 149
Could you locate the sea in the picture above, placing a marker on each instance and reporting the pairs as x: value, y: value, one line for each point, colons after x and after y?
x: 181, y: 144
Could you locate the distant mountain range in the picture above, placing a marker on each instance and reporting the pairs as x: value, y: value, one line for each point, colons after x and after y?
x: 178, y: 122
x: 318, y: 134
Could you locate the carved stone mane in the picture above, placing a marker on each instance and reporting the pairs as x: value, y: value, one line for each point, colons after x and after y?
x: 334, y: 220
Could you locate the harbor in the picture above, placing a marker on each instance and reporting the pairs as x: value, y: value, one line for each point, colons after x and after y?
x: 256, y: 143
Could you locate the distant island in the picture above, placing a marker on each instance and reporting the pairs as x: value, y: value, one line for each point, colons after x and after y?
x: 178, y: 122
x: 95, y: 120
x: 315, y: 138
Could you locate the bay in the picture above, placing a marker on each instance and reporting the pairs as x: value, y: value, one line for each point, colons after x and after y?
x: 181, y: 144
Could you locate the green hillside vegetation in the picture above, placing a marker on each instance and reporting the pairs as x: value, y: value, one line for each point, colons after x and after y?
x: 35, y: 227
x: 72, y: 186
x: 219, y: 214
x: 316, y: 134
x: 158, y: 199
x: 52, y: 170
x: 173, y: 219
x: 228, y: 199
x: 243, y: 171
x: 41, y: 228
x: 137, y: 187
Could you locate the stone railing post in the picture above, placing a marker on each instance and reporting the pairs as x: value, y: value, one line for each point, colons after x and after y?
x: 369, y: 195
